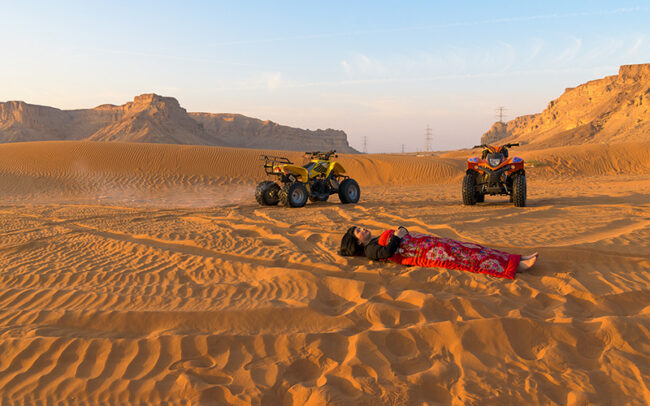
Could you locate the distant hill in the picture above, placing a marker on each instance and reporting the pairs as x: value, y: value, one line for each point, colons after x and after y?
x: 151, y: 118
x: 609, y: 110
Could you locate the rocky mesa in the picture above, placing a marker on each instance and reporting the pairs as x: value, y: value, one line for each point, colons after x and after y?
x: 151, y: 118
x: 609, y: 110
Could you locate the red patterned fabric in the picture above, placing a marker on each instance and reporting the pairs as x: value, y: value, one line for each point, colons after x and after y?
x: 429, y: 251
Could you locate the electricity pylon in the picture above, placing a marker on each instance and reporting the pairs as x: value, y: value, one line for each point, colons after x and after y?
x: 500, y: 111
x: 427, y: 139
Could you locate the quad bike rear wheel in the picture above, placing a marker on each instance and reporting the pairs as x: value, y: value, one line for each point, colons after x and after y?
x: 469, y: 189
x: 293, y: 194
x: 266, y: 193
x: 349, y: 191
x: 519, y: 190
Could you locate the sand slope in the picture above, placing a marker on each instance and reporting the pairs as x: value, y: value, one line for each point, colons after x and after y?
x: 123, y: 172
x: 79, y: 171
x: 166, y: 295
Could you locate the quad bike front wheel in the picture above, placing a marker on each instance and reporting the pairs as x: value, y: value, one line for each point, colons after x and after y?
x: 293, y: 194
x: 519, y: 190
x: 267, y: 193
x: 469, y: 190
x: 349, y: 191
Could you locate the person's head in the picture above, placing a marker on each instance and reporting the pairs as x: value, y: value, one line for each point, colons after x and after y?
x: 354, y: 240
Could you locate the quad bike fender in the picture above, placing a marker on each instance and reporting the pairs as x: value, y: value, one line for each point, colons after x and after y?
x: 516, y: 165
x: 472, y: 163
x: 335, y: 168
x: 299, y: 172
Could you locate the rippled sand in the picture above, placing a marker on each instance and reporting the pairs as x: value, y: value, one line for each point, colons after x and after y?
x: 148, y: 274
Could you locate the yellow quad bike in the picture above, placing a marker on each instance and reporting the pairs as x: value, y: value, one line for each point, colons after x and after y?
x: 316, y: 181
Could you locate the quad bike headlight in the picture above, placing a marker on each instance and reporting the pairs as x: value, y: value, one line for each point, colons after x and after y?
x: 494, y: 161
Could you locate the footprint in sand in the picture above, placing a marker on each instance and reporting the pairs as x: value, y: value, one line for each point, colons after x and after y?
x: 201, y: 371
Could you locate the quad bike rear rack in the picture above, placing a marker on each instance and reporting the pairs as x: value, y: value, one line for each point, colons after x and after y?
x: 271, y: 160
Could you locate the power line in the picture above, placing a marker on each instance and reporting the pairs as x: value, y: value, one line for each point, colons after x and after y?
x: 402, y: 148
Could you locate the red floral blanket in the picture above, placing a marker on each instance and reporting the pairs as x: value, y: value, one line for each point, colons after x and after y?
x: 429, y: 251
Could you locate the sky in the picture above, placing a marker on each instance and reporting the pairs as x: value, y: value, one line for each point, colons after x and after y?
x: 382, y: 71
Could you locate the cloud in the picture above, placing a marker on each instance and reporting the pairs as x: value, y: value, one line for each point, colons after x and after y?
x: 535, y: 48
x: 435, y: 26
x: 605, y: 48
x: 273, y: 80
x: 260, y: 80
x: 637, y: 45
x: 571, y: 51
x: 280, y: 82
x: 346, y: 67
x: 362, y: 65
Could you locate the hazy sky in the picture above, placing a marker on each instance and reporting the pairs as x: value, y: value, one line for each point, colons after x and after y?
x: 376, y: 69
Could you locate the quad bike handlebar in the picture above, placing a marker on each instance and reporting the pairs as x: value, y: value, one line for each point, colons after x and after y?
x: 325, y: 156
x: 508, y: 145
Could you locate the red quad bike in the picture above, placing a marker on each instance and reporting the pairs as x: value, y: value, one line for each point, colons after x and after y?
x: 495, y: 174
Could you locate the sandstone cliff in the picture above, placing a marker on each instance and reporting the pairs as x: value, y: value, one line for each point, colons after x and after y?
x: 613, y: 109
x: 155, y: 119
x: 247, y: 132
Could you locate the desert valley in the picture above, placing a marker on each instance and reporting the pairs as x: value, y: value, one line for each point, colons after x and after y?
x: 136, y: 266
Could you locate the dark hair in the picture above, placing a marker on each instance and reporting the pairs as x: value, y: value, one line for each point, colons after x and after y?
x: 350, y: 244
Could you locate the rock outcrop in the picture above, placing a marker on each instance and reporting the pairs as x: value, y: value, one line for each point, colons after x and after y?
x: 247, y: 132
x: 497, y: 132
x: 613, y: 109
x: 155, y: 119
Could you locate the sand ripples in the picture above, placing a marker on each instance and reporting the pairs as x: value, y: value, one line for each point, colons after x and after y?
x: 240, y: 304
x: 246, y: 305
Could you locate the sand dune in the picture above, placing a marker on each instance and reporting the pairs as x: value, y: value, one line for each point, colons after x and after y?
x: 118, y: 173
x: 147, y: 274
x: 122, y: 172
x: 578, y: 161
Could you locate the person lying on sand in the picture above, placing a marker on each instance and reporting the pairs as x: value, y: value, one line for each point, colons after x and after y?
x: 426, y: 250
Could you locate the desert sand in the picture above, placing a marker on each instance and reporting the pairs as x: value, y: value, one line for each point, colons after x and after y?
x: 147, y: 274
